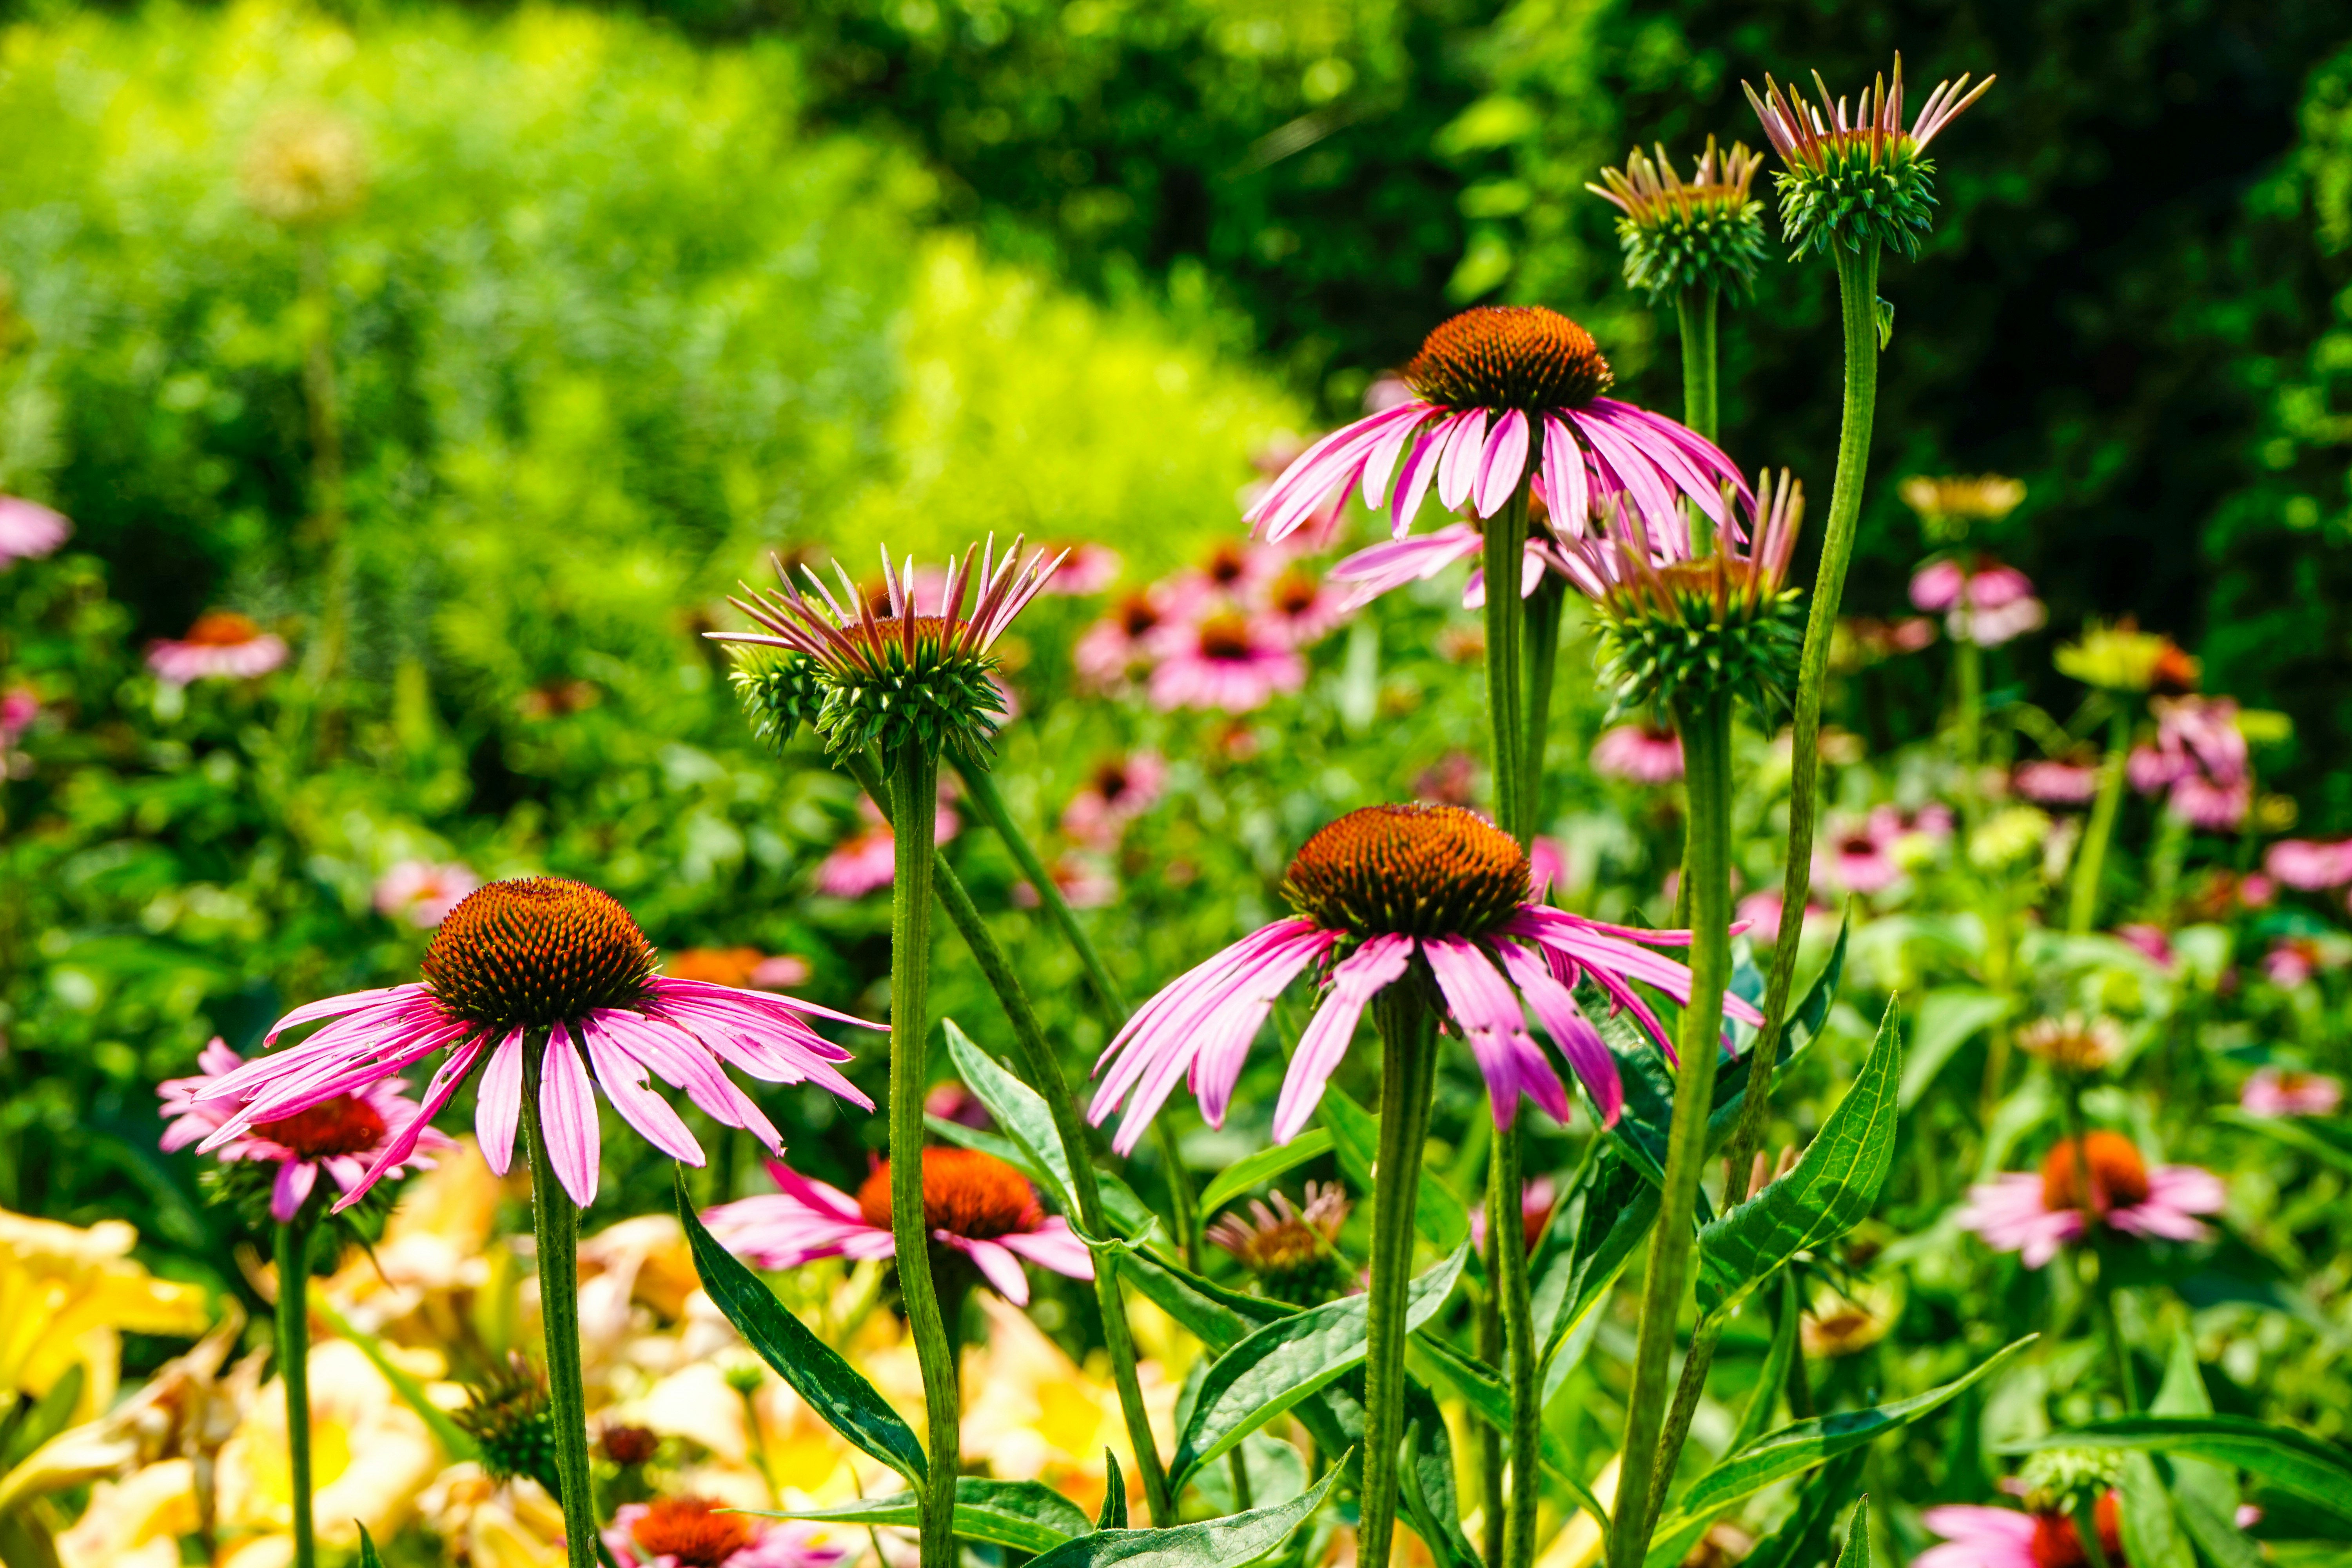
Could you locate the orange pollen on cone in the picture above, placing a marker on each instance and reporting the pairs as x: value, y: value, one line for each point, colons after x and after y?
x: 692, y: 1530
x: 1412, y: 869
x: 1225, y: 636
x: 965, y: 1193
x: 1509, y: 356
x: 343, y: 1125
x: 222, y: 628
x: 534, y: 951
x: 2118, y: 1176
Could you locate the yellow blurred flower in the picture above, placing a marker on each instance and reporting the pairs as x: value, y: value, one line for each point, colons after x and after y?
x: 2122, y: 658
x: 370, y: 1457
x: 1030, y: 1414
x: 303, y: 165
x: 1839, y: 1324
x: 1955, y: 497
x: 490, y: 1524
x: 67, y: 1294
x: 136, y: 1522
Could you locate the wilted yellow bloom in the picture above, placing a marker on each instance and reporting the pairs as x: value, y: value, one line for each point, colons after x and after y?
x: 1839, y: 1324
x: 370, y: 1457
x: 137, y: 1523
x: 2122, y: 658
x: 66, y: 1294
x: 303, y: 165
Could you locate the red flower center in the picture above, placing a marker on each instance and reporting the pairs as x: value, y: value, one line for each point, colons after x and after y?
x: 1227, y: 565
x: 222, y: 628
x: 691, y: 1530
x: 965, y: 1193
x: 2058, y: 1544
x: 531, y: 951
x: 1226, y: 636
x: 1509, y: 356
x: 630, y: 1445
x: 343, y: 1125
x: 1111, y: 782
x: 2117, y: 1176
x: 1136, y: 614
x: 1293, y: 594
x: 1409, y: 869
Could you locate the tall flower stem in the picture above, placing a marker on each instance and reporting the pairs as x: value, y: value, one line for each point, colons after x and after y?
x: 915, y: 780
x: 555, y: 1226
x: 2095, y: 1279
x: 1968, y: 660
x: 1695, y: 314
x: 1507, y: 1228
x: 1506, y: 551
x: 1040, y: 1069
x: 1857, y: 275
x: 1544, y: 609
x: 1705, y: 725
x: 293, y: 1250
x: 2083, y: 905
x: 1408, y: 1080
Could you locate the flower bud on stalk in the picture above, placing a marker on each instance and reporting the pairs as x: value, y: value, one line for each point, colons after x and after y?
x: 1703, y: 233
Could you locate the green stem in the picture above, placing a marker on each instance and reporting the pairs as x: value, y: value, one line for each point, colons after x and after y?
x: 1506, y: 551
x: 1857, y: 275
x: 1694, y: 312
x: 1705, y: 725
x: 1968, y: 659
x: 2095, y: 1279
x: 915, y: 779
x: 1408, y: 1077
x: 2082, y: 908
x: 1036, y: 1065
x: 555, y: 1225
x: 294, y: 1369
x: 1490, y: 1351
x: 1687, y: 1389
x: 1544, y: 609
x: 1507, y: 1230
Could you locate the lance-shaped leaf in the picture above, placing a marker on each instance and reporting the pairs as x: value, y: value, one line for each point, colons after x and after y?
x: 1949, y: 1017
x: 1480, y: 1387
x: 368, y: 1558
x: 2314, y: 1470
x: 2204, y: 1495
x: 1831, y: 1189
x: 2151, y: 1535
x: 1278, y: 1366
x: 1426, y: 1486
x: 1438, y: 1215
x: 1019, y: 1110
x: 1114, y: 1505
x: 1264, y: 1166
x: 1026, y: 1516
x: 1769, y: 1382
x: 1227, y: 1542
x: 828, y: 1385
x: 1855, y: 1552
x: 1803, y: 1539
x: 1219, y: 1318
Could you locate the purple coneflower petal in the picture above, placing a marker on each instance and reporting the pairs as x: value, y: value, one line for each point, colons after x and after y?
x: 437, y: 1094
x: 1554, y: 1007
x: 686, y: 1063
x: 1415, y: 477
x: 998, y: 1267
x: 497, y: 1103
x: 1355, y: 981
x: 1381, y: 463
x: 1502, y: 464
x: 352, y: 1002
x: 1383, y: 568
x: 623, y: 1079
x: 1458, y: 471
x: 567, y: 1108
x: 1568, y: 492
x: 294, y: 1180
x: 1487, y: 1012
x: 1634, y: 470
x: 1652, y: 436
x: 1054, y: 1245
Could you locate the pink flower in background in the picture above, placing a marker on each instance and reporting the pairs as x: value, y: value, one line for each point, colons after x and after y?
x: 2048, y: 783
x: 1537, y: 1196
x: 29, y: 530
x: 1978, y: 1537
x: 2151, y: 940
x: 19, y: 706
x: 516, y: 958
x: 1117, y: 648
x: 221, y: 646
x: 1120, y: 790
x: 692, y: 1532
x: 975, y: 1203
x: 1225, y: 661
x: 1300, y: 609
x: 2291, y: 963
x: 1548, y: 865
x: 1932, y: 821
x: 2281, y: 1091
x: 421, y: 893
x: 1081, y: 881
x: 1761, y: 910
x: 1643, y: 754
x: 2199, y: 756
x: 1231, y: 578
x: 1086, y: 568
x: 2310, y: 866
x: 1452, y: 780
x: 1986, y: 603
x: 342, y: 1136
x: 2035, y: 1215
x: 1499, y: 392
x: 1381, y: 893
x: 867, y: 859
x: 1858, y: 857
x: 1939, y: 585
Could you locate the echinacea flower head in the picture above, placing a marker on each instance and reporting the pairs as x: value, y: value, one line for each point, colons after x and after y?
x: 779, y: 689
x: 2122, y: 658
x: 29, y: 530
x: 2104, y: 1183
x: 2198, y: 760
x: 1978, y: 1537
x: 221, y: 646
x: 1703, y: 233
x: 2283, y: 1091
x: 1430, y: 896
x: 1118, y: 646
x: 1947, y: 504
x: 506, y: 1413
x: 342, y: 1137
x: 1641, y: 752
x: 1291, y: 1250
x: 1856, y: 178
x: 1858, y: 858
x: 2310, y: 865
x: 1983, y: 602
x: 1299, y: 608
x: 2073, y: 1043
x: 559, y: 969
x: 1226, y: 661
x: 697, y: 1533
x: 2056, y: 782
x: 1118, y: 791
x: 976, y: 1205
x: 1678, y: 624
x: 899, y: 674
x: 1502, y: 396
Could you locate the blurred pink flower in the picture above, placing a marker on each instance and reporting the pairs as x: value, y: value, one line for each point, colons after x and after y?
x: 2200, y: 755
x: 1086, y: 568
x: 2291, y: 963
x: 1986, y: 603
x: 221, y: 646
x: 1978, y: 1537
x: 1083, y: 884
x: 1892, y: 823
x: 29, y: 530
x: 2310, y: 866
x: 2035, y: 1215
x: 1298, y: 608
x: 1643, y: 754
x: 1117, y: 646
x: 1548, y: 865
x: 421, y: 893
x: 689, y: 1531
x: 1452, y: 780
x: 19, y: 706
x: 1761, y: 910
x: 1230, y: 577
x: 2151, y: 940
x: 2050, y: 782
x: 1225, y: 661
x: 1537, y: 1196
x: 1858, y: 858
x: 2280, y: 1091
x: 1120, y: 790
x: 1323, y: 523
x: 866, y: 860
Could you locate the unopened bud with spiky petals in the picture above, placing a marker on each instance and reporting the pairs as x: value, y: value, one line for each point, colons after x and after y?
x: 1291, y: 1251
x: 1676, y: 626
x: 906, y: 676
x: 1857, y: 178
x: 778, y: 691
x: 506, y: 1416
x: 1703, y: 233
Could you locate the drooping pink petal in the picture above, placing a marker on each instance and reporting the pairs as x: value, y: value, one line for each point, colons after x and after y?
x: 1416, y: 477
x: 351, y: 1002
x: 1385, y: 454
x: 295, y: 1179
x: 1383, y: 568
x: 437, y: 1094
x: 1639, y: 476
x: 1458, y: 471
x: 567, y: 1108
x: 1054, y: 1245
x: 624, y: 1078
x: 1554, y: 1007
x: 497, y: 1103
x: 998, y: 1267
x: 1569, y: 493
x: 1487, y: 1012
x: 1355, y: 981
x: 684, y: 1062
x: 1502, y: 464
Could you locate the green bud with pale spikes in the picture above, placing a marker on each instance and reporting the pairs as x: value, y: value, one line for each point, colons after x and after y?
x: 1703, y: 233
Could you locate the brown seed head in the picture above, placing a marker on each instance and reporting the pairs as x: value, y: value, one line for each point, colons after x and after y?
x: 1509, y: 356
x: 536, y: 950
x: 1412, y: 869
x: 344, y: 1125
x: 965, y: 1193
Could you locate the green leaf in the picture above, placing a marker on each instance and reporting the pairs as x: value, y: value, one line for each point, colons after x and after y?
x: 1438, y: 1215
x: 1277, y: 1470
x: 1831, y: 1189
x: 1805, y: 1023
x: 48, y: 1417
x: 1228, y: 1542
x: 1114, y: 1508
x: 1798, y: 1448
x: 1480, y: 1387
x: 1949, y: 1017
x: 2204, y: 1495
x: 1024, y: 1516
x: 1803, y: 1539
x: 1278, y: 1366
x: 1020, y: 1112
x: 1855, y: 1552
x: 2315, y: 1471
x: 1217, y: 1317
x: 368, y: 1559
x: 2152, y: 1538
x: 1775, y: 1374
x: 454, y: 1440
x: 827, y: 1383
x: 1264, y: 1166
x: 2321, y: 1142
x: 1426, y: 1486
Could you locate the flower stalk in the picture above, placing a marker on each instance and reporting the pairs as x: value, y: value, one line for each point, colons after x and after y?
x: 1408, y: 1080
x: 1696, y: 309
x: 555, y: 1226
x: 293, y: 1257
x: 2082, y: 900
x: 2090, y: 1263
x: 1505, y: 549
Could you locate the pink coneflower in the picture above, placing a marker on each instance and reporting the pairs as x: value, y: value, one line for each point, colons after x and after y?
x: 543, y: 956
x: 1086, y: 568
x: 2151, y: 940
x: 1548, y: 865
x: 975, y: 1205
x: 1298, y: 609
x: 1761, y: 910
x: 1292, y: 1251
x: 2282, y: 1091
x: 2054, y: 783
x: 1985, y: 603
x: 2035, y: 1215
x: 19, y: 706
x: 865, y: 861
x: 344, y: 1136
x: 1080, y: 879
x: 221, y: 646
x: 696, y: 1533
x: 1230, y: 577
x: 29, y: 530
x: 1117, y: 648
x: 1417, y: 893
x: 421, y: 893
x: 1417, y: 557
x: 2291, y: 963
x: 1117, y: 792
x: 1225, y: 661
x: 1859, y: 857
x: 2310, y: 866
x: 1642, y: 754
x: 1499, y: 391
x: 2199, y: 744
x: 1979, y: 1537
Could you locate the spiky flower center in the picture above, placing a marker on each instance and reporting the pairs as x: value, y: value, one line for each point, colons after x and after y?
x: 1137, y: 614
x: 2117, y: 1177
x: 692, y: 1530
x: 222, y: 628
x: 1226, y: 636
x: 1509, y: 356
x: 535, y: 950
x: 965, y: 1193
x: 625, y: 1444
x: 344, y: 1125
x: 1412, y: 869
